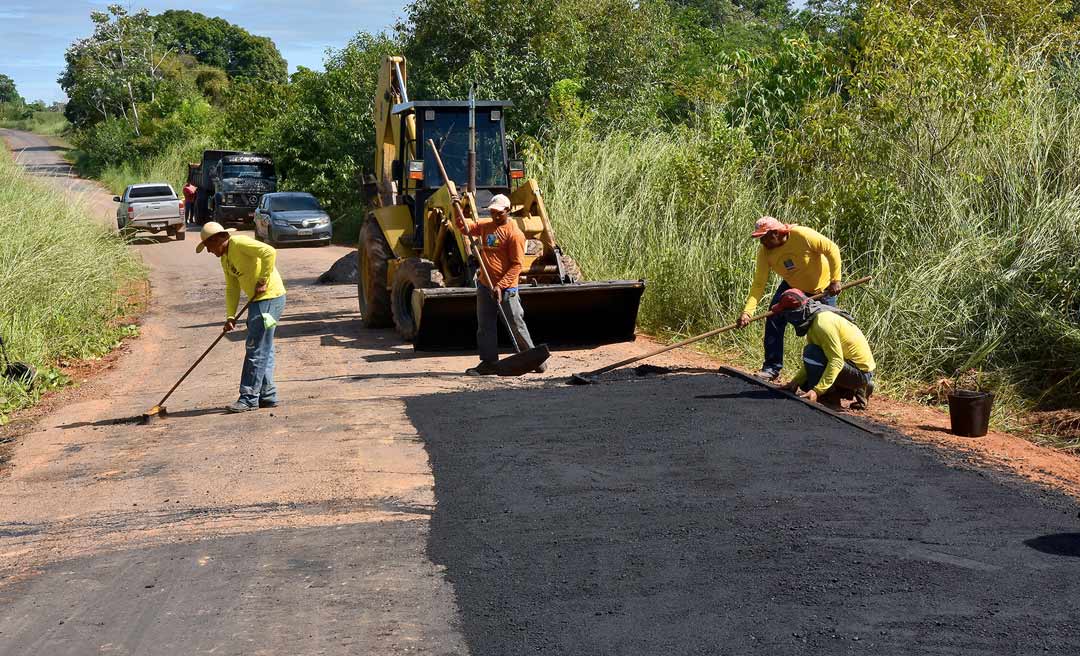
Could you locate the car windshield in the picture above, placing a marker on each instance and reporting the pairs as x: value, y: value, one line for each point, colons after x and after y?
x: 150, y: 192
x: 247, y: 171
x: 294, y: 203
x: 450, y: 130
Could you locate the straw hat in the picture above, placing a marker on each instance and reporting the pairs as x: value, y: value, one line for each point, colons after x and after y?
x: 209, y: 230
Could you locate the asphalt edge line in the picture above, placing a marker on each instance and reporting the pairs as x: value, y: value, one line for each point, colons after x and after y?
x: 731, y: 371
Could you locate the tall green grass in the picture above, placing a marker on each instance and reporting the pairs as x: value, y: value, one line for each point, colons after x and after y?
x: 975, y: 255
x: 64, y: 282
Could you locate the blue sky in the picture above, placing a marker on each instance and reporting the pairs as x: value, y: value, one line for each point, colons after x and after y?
x: 34, y: 34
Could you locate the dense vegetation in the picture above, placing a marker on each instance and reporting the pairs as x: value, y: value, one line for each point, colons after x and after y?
x: 936, y: 142
x: 65, y: 283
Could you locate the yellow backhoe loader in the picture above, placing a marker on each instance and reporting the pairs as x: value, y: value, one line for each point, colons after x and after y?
x: 417, y: 272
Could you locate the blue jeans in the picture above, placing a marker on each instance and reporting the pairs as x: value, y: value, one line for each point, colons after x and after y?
x: 775, y: 327
x: 850, y: 378
x: 257, y: 376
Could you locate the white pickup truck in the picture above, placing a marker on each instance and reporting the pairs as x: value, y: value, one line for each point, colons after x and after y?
x: 153, y: 207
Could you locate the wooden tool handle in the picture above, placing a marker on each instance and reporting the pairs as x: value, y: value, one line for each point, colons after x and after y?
x: 707, y: 335
x: 201, y: 357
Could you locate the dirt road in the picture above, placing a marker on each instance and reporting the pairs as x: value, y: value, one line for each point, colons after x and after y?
x: 294, y: 531
x: 691, y: 514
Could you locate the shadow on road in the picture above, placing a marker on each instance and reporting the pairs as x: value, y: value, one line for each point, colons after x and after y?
x: 1058, y: 544
x: 135, y: 419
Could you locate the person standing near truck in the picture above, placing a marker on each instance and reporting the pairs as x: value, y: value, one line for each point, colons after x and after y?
x: 805, y: 260
x: 189, y: 202
x: 250, y: 266
x: 502, y: 248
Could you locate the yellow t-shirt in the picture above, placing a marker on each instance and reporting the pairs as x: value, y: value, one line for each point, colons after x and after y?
x: 246, y: 262
x: 840, y: 340
x: 808, y: 260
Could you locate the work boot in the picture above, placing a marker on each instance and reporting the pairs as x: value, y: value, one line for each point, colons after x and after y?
x: 862, y: 397
x: 483, y: 369
x: 263, y: 403
x: 240, y: 406
x: 768, y: 374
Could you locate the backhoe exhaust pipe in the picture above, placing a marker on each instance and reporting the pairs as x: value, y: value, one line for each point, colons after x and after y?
x: 472, y: 140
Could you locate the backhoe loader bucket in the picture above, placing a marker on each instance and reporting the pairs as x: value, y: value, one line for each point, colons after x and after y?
x: 580, y: 313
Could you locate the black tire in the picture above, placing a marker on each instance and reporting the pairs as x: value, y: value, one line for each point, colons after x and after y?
x: 371, y: 290
x: 414, y: 273
x: 573, y: 271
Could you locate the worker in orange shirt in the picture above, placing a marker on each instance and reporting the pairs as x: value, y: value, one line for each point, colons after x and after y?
x: 502, y: 248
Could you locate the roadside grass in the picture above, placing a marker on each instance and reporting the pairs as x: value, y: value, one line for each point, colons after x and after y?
x: 65, y: 284
x: 50, y: 124
x: 974, y: 261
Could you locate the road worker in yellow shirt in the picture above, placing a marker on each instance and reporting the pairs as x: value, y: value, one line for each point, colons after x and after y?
x: 250, y: 266
x: 805, y: 260
x: 837, y: 363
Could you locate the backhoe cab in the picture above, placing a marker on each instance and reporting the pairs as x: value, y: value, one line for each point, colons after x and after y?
x: 417, y: 271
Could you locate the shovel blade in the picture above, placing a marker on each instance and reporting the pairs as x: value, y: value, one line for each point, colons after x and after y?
x: 522, y: 363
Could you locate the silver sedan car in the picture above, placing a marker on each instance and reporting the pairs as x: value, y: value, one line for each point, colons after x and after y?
x: 289, y: 217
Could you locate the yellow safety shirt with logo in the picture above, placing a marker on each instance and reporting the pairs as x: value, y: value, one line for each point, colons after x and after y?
x: 245, y: 263
x: 808, y: 260
x: 840, y: 340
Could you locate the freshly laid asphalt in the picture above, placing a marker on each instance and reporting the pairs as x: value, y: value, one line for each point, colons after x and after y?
x: 704, y: 515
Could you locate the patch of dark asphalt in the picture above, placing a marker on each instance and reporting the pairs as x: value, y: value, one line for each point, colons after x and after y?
x: 348, y: 589
x: 690, y: 515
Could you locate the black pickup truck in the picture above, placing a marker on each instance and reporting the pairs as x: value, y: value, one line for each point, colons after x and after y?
x: 229, y: 185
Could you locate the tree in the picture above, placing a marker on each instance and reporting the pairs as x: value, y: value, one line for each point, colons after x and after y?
x: 110, y: 72
x: 8, y: 93
x: 519, y: 49
x: 218, y: 43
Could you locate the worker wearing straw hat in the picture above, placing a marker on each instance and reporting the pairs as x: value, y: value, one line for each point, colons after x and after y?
x: 250, y: 266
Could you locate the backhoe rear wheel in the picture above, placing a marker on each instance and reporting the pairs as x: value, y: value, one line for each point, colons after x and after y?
x: 414, y: 273
x: 371, y: 290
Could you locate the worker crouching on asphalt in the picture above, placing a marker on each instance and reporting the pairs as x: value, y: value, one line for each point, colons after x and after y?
x: 837, y: 362
x: 250, y: 266
x: 805, y: 260
x: 502, y: 249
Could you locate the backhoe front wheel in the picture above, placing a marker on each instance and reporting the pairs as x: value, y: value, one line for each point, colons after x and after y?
x: 414, y: 273
x: 373, y: 253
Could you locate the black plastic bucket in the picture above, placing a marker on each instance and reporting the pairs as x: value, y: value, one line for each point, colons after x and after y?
x: 969, y: 412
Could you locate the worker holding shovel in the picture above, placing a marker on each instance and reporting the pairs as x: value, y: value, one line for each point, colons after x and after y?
x: 805, y: 260
x: 250, y: 266
x: 837, y: 362
x: 502, y: 249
